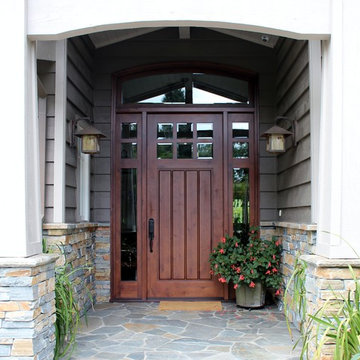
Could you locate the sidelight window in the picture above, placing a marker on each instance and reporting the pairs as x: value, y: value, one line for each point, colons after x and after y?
x: 128, y: 225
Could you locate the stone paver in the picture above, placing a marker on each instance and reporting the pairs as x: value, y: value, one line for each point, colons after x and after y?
x: 137, y: 331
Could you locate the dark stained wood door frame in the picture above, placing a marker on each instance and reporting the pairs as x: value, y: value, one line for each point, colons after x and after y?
x: 138, y: 290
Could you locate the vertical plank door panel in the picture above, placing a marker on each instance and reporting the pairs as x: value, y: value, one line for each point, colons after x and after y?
x: 205, y: 223
x: 192, y: 225
x: 178, y: 235
x: 165, y: 225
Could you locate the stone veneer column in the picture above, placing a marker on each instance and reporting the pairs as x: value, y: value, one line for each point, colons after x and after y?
x: 27, y: 307
x: 102, y: 261
x: 76, y: 242
x: 297, y: 239
x: 328, y: 280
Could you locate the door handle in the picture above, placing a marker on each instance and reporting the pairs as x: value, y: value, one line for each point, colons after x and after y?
x: 151, y: 233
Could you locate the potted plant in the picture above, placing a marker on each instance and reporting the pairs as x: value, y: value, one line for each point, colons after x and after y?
x: 250, y: 266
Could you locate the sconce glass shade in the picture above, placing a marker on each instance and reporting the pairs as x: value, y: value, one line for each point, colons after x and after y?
x: 275, y: 139
x: 90, y: 144
x: 89, y: 138
x: 275, y: 143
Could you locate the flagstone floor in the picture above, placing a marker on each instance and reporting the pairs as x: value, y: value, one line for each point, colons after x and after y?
x: 137, y: 331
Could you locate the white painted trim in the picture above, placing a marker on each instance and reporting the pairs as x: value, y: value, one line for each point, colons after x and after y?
x: 42, y: 149
x: 339, y: 163
x: 54, y: 20
x: 14, y: 114
x: 83, y: 185
x: 315, y: 113
x: 60, y: 132
x: 32, y: 155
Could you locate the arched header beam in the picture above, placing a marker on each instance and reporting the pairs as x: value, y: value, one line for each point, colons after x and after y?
x: 54, y: 20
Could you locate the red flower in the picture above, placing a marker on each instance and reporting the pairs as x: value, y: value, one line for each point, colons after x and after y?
x: 223, y: 280
x: 236, y: 286
x: 269, y: 264
x: 277, y: 243
x: 241, y: 277
x: 252, y: 284
x: 278, y: 292
x: 221, y: 251
x: 238, y: 270
x: 211, y: 272
x: 268, y: 272
x: 252, y: 271
x: 236, y: 244
x: 274, y: 257
x: 223, y: 240
x: 274, y: 270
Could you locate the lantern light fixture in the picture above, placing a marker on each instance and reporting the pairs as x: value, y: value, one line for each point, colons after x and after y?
x: 88, y: 134
x: 275, y: 136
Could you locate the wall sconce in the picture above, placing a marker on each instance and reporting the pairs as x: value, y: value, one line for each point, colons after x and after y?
x: 88, y: 134
x: 275, y: 136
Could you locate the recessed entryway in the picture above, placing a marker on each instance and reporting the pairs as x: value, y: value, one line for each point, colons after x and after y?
x: 183, y: 176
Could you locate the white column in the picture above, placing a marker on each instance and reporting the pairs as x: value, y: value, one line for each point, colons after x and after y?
x: 315, y: 112
x: 20, y: 187
x: 60, y: 132
x: 339, y: 175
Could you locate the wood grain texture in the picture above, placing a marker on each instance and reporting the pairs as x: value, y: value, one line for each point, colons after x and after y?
x: 165, y: 225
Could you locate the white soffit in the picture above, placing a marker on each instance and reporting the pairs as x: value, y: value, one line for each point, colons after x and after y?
x: 258, y: 38
x: 105, y: 38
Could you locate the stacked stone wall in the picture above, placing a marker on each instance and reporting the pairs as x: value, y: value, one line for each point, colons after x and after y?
x: 102, y: 263
x: 297, y: 240
x: 328, y: 282
x: 27, y: 308
x: 75, y: 244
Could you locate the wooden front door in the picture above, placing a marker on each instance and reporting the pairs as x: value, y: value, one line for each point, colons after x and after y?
x: 185, y: 202
x: 192, y: 172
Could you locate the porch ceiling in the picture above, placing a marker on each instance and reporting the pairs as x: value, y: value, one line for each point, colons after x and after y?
x: 106, y: 38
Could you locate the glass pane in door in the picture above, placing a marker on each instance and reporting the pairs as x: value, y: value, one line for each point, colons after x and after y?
x: 128, y: 225
x: 241, y: 203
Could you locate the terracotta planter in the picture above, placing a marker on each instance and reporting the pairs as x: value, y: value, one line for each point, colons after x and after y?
x: 250, y: 297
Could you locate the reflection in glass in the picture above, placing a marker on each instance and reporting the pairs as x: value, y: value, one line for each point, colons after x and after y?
x: 128, y: 130
x: 184, y: 131
x: 240, y: 150
x: 195, y: 88
x: 165, y: 131
x: 128, y: 225
x: 184, y: 150
x: 240, y: 130
x: 241, y: 203
x: 204, y: 130
x: 164, y: 151
x: 128, y: 150
x: 205, y: 151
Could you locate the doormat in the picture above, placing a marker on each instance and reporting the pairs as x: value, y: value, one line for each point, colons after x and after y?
x: 190, y: 306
